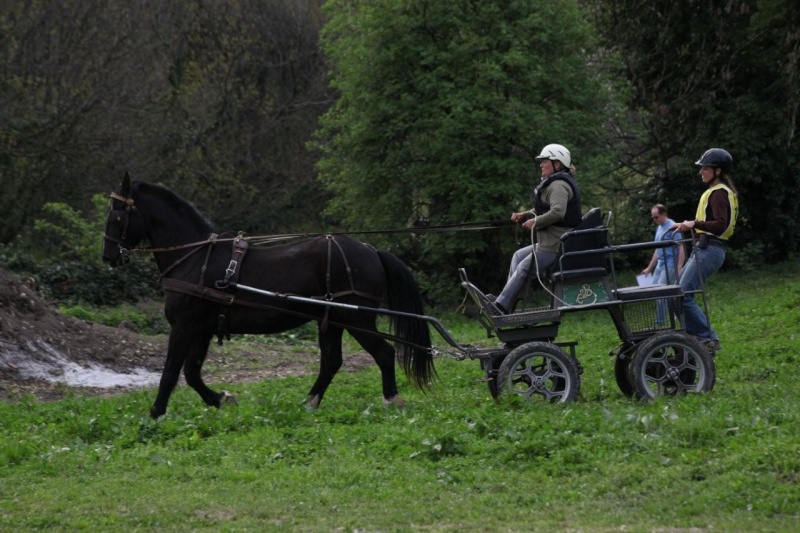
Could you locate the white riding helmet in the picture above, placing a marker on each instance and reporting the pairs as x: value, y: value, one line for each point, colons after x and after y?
x: 555, y: 152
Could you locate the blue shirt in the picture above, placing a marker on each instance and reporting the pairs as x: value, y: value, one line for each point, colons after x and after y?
x: 667, y: 255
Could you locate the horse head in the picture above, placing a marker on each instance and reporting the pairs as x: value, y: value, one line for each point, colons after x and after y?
x: 124, y: 225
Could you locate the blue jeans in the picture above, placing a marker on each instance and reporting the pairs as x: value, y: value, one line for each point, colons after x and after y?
x: 660, y: 278
x: 520, y: 271
x: 700, y: 265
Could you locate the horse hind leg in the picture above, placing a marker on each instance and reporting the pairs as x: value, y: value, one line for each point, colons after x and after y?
x: 330, y: 348
x: 384, y: 355
x: 198, y: 349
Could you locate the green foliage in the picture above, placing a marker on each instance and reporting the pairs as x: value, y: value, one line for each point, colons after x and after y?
x: 63, y: 254
x: 146, y: 318
x: 442, y: 108
x: 452, y: 460
x: 715, y: 74
x: 65, y: 235
x: 217, y: 101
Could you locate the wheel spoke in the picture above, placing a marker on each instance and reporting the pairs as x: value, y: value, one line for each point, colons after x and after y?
x: 539, y: 369
x: 540, y: 377
x: 670, y: 365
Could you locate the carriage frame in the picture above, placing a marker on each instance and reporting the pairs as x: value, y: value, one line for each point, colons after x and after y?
x: 655, y: 356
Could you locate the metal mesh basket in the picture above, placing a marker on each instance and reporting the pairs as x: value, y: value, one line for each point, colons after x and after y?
x: 650, y: 315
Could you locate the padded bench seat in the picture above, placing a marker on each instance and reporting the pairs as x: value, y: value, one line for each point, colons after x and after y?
x: 630, y: 294
x: 579, y: 273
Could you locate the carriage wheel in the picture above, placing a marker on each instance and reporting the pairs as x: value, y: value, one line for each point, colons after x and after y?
x: 670, y: 364
x: 491, y: 381
x: 492, y: 373
x: 539, y: 369
x: 622, y: 364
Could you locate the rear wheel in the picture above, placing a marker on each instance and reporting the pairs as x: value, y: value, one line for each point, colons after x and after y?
x: 539, y: 370
x: 670, y: 364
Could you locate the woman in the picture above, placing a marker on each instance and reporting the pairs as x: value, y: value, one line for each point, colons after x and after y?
x: 557, y: 209
x: 713, y: 225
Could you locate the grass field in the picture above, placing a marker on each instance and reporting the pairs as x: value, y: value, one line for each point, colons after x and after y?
x: 453, y: 460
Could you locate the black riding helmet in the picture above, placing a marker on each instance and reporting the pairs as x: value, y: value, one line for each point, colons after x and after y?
x: 716, y: 157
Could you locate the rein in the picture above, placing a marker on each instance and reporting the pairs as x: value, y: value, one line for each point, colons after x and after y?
x: 421, y: 226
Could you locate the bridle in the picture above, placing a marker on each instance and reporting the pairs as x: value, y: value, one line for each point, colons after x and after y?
x: 124, y: 252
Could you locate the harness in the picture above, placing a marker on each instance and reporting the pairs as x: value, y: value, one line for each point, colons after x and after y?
x: 221, y: 291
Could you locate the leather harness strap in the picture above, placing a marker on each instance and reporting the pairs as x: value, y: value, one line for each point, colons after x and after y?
x: 192, y: 289
x: 222, y: 296
x: 240, y: 246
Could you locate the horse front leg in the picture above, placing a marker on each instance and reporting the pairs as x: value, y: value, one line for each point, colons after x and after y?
x: 186, y: 349
x: 176, y: 355
x: 330, y: 349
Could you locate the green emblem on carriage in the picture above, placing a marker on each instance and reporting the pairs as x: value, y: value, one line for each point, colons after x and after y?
x: 585, y: 293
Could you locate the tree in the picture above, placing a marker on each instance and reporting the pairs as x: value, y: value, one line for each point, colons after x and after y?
x: 716, y: 74
x: 215, y: 99
x: 442, y: 107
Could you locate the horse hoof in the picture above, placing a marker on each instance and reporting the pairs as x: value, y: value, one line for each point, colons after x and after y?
x: 312, y: 403
x: 227, y: 399
x: 396, y: 401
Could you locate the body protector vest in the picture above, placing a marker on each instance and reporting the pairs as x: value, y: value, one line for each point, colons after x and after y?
x: 704, y: 210
x: 573, y: 215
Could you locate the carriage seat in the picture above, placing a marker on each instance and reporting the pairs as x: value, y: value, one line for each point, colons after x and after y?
x: 650, y: 292
x: 590, y: 234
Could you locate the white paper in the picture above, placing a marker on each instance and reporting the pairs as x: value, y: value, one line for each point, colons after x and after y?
x: 644, y: 280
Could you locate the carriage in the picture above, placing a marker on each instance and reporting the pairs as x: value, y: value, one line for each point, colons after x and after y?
x: 655, y: 357
x: 343, y: 285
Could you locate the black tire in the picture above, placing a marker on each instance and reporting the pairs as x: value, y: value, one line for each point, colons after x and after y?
x: 491, y: 366
x: 670, y: 364
x: 491, y: 381
x: 539, y: 369
x: 622, y: 365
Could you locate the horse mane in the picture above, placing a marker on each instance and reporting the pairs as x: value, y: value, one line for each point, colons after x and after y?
x: 174, y: 201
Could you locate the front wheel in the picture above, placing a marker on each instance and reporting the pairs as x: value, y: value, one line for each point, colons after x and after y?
x: 622, y: 365
x: 539, y: 369
x: 670, y: 364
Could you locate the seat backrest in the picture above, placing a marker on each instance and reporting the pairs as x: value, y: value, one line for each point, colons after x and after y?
x: 578, y: 241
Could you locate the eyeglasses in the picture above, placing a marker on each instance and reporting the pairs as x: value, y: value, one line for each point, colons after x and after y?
x: 655, y: 217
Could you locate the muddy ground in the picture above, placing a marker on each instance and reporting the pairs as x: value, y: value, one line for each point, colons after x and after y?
x: 49, y: 355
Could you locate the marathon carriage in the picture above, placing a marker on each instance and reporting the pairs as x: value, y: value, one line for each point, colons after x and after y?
x: 215, y: 286
x: 655, y: 357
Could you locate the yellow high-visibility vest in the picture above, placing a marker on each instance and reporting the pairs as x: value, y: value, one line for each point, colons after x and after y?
x: 704, y: 210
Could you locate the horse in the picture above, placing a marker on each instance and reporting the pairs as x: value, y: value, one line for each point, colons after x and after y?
x: 198, y: 267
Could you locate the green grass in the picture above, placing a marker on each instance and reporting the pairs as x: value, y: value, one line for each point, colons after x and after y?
x: 452, y: 460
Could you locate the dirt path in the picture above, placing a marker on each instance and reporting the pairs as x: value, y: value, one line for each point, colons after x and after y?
x: 48, y: 355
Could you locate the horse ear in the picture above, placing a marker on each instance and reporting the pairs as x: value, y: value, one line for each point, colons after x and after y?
x: 126, y: 184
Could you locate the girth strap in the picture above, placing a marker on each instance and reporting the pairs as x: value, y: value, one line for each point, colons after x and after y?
x: 332, y: 295
x: 240, y: 245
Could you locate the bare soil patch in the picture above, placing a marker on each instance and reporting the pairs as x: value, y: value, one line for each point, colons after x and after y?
x: 49, y: 355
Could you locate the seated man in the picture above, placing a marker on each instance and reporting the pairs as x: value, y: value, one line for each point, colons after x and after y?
x: 557, y: 209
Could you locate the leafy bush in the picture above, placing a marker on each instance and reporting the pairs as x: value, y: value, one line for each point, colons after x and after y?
x: 146, y: 319
x: 63, y: 254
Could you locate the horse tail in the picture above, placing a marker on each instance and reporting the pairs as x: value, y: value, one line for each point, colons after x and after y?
x: 415, y: 353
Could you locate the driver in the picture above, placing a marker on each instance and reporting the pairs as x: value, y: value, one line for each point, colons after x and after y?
x: 557, y: 209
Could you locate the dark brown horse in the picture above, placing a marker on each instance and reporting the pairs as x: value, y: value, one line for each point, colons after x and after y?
x: 192, y: 259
